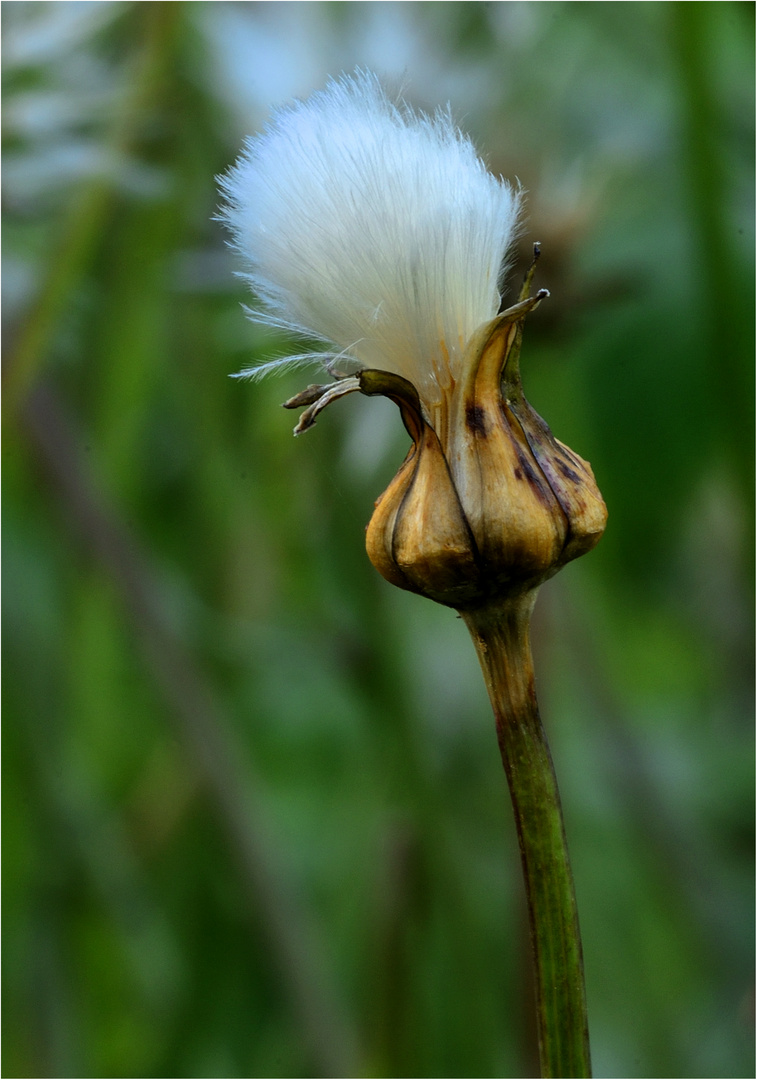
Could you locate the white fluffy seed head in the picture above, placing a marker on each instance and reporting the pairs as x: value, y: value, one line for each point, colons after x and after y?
x: 374, y: 229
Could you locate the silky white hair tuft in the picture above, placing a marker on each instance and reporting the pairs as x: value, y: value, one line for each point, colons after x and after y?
x: 372, y: 229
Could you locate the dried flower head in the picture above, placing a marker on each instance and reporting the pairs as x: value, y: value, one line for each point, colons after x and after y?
x: 379, y: 232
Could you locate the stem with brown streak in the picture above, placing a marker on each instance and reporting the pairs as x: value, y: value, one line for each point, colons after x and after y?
x: 501, y: 636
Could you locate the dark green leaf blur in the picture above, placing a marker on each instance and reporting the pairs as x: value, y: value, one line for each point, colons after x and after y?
x: 255, y: 821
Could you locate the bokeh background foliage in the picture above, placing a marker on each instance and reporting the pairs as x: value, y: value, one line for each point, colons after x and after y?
x: 255, y: 822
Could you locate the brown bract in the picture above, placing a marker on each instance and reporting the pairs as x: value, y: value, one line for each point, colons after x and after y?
x: 487, y: 504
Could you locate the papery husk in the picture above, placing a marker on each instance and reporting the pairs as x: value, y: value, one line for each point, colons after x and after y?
x: 500, y: 505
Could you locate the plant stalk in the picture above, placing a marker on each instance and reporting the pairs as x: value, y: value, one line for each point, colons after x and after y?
x: 502, y: 641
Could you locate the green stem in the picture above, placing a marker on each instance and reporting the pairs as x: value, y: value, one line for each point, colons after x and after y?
x: 501, y: 638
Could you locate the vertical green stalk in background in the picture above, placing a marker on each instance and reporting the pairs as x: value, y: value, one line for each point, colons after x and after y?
x: 501, y: 639
x: 86, y: 217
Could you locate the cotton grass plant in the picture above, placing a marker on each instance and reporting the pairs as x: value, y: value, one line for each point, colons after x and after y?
x: 378, y: 233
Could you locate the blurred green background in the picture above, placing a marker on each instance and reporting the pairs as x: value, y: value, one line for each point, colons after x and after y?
x: 255, y: 819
